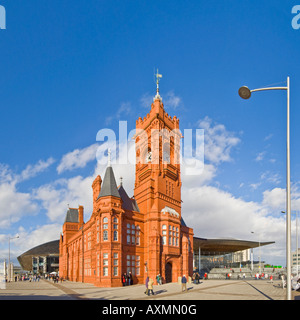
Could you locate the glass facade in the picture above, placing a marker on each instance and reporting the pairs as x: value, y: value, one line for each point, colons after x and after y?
x: 45, y: 264
x: 204, y: 263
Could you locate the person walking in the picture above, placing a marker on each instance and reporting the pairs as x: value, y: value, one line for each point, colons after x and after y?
x: 158, y: 279
x: 150, y: 286
x: 146, y: 284
x: 183, y: 283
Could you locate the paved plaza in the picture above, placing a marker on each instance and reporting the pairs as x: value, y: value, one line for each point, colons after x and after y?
x: 206, y: 290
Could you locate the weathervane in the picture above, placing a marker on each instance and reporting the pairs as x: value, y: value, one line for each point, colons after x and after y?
x: 158, y: 77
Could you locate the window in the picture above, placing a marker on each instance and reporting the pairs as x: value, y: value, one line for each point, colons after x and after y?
x: 105, y: 235
x: 105, y: 227
x: 133, y: 234
x: 115, y: 263
x: 105, y: 271
x: 133, y: 264
x: 105, y: 264
x: 115, y: 220
x: 115, y: 235
x: 164, y: 240
x: 115, y: 271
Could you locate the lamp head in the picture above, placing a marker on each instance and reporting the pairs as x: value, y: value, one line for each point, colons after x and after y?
x: 244, y: 92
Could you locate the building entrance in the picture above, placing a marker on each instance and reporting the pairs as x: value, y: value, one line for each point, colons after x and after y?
x: 168, y: 272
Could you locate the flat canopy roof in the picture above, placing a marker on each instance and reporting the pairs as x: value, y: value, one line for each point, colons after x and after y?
x: 223, y: 246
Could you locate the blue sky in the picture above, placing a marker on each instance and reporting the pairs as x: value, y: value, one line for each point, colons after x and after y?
x: 69, y: 69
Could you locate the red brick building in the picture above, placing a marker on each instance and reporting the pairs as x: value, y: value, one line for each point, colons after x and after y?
x: 145, y: 234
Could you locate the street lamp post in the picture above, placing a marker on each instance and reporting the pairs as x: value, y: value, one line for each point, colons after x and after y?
x: 245, y: 93
x: 8, y: 267
x: 258, y: 252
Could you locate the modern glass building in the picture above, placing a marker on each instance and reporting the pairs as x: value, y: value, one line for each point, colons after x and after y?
x: 41, y: 259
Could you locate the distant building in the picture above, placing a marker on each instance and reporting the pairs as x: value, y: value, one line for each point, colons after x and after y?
x: 41, y: 259
x: 294, y: 257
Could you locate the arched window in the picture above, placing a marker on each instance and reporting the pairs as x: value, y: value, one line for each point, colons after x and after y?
x: 164, y: 227
x: 105, y: 220
x: 164, y: 240
x: 115, y: 235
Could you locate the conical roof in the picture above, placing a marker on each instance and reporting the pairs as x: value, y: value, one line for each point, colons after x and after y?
x: 109, y: 185
x: 127, y: 203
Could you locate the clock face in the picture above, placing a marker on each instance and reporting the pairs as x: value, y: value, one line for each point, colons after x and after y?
x: 149, y: 157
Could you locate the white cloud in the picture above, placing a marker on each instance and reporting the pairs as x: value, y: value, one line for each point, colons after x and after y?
x: 124, y: 110
x: 57, y: 196
x: 172, y: 101
x: 32, y: 170
x: 29, y: 239
x: 77, y: 158
x: 14, y: 204
x: 218, y: 141
x: 270, y: 177
x: 275, y: 199
x: 254, y: 186
x: 260, y: 156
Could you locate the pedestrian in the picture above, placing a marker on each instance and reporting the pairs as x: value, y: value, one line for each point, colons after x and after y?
x: 124, y: 279
x: 197, y: 277
x: 150, y: 286
x: 271, y: 278
x: 146, y: 284
x: 130, y: 279
x: 183, y: 283
x: 158, y: 279
x: 283, y: 281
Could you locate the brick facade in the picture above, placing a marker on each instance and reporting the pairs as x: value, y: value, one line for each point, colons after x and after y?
x: 145, y: 234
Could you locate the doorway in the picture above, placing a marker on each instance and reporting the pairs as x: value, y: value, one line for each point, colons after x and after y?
x: 168, y: 272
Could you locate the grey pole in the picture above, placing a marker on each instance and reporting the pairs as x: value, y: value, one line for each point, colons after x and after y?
x: 245, y: 93
x: 288, y: 199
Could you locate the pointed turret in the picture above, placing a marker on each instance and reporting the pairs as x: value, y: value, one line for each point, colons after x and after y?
x: 109, y: 185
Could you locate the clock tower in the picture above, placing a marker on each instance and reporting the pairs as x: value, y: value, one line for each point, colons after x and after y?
x: 158, y: 192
